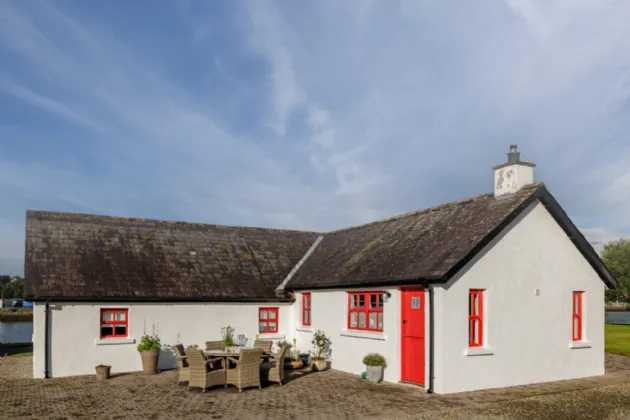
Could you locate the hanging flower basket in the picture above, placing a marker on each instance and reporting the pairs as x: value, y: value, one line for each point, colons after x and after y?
x: 102, y: 372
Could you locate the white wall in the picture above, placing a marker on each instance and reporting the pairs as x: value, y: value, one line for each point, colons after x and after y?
x: 329, y: 313
x: 75, y: 331
x: 529, y: 335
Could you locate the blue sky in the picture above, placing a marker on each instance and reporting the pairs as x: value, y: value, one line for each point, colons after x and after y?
x: 308, y: 115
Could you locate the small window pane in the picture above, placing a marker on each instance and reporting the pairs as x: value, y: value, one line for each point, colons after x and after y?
x: 361, y: 301
x: 353, y: 301
x: 272, y: 314
x: 576, y: 324
x: 272, y: 326
x: 380, y: 300
x: 120, y: 316
x: 380, y: 321
x: 262, y: 327
x: 121, y: 330
x: 107, y: 330
x: 373, y: 301
x: 361, y: 319
x: 307, y: 317
x: 307, y: 301
x: 476, y: 331
x: 470, y: 297
x: 263, y: 314
x: 108, y: 316
x: 353, y: 319
x: 415, y: 302
x: 476, y: 304
x: 372, y: 320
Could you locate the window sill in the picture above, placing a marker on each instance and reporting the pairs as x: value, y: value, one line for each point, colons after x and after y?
x: 364, y: 334
x: 479, y: 351
x: 580, y: 345
x: 108, y: 341
x: 304, y: 328
x: 271, y: 336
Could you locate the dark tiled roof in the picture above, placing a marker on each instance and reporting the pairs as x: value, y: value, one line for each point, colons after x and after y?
x: 423, y: 244
x: 85, y: 256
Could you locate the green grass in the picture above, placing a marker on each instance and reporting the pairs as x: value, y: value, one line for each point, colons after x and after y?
x: 617, y: 339
x: 26, y: 353
x: 14, y: 345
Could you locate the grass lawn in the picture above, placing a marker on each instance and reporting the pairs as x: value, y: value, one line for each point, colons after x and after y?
x: 617, y: 339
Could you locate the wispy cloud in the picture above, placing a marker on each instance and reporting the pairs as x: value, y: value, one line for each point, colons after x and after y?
x: 314, y: 116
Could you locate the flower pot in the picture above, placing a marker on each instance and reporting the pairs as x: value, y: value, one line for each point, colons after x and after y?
x: 150, y: 361
x: 102, y: 372
x: 294, y: 364
x: 320, y: 364
x: 374, y: 373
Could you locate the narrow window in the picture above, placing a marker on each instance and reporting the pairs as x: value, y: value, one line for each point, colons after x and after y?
x: 306, y: 309
x: 114, y: 323
x: 268, y: 320
x: 365, y: 311
x: 577, y: 316
x: 475, y: 318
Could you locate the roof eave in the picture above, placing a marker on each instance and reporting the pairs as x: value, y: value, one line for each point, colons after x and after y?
x: 412, y: 281
x: 31, y: 298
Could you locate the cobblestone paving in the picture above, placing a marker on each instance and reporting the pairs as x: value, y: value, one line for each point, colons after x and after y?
x: 322, y: 395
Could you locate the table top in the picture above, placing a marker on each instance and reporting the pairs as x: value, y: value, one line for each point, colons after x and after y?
x: 236, y: 352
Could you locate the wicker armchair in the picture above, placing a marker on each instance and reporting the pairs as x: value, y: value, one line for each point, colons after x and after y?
x: 265, y: 345
x: 182, y: 363
x: 247, y: 370
x: 215, y: 345
x: 201, y: 376
x: 273, y: 371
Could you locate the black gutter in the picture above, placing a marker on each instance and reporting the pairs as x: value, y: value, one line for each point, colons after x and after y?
x: 372, y: 283
x: 46, y: 340
x: 153, y: 299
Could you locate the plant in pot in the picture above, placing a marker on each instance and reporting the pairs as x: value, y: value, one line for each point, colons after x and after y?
x: 228, y: 336
x: 149, y: 348
x: 375, y: 364
x: 102, y: 372
x: 321, y: 343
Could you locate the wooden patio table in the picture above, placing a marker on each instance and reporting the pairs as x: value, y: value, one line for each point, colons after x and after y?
x: 234, y: 353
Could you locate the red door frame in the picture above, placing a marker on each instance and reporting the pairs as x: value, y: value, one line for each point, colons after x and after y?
x: 402, y: 337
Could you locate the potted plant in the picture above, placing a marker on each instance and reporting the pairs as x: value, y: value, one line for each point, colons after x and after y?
x: 149, y: 349
x: 102, y: 372
x: 192, y: 347
x: 305, y: 356
x: 228, y: 336
x: 375, y: 364
x: 322, y: 350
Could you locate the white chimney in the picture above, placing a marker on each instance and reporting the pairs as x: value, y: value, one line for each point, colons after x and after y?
x: 513, y: 175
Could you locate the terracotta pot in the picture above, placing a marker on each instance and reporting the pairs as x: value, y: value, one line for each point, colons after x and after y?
x: 102, y: 372
x: 150, y: 361
x: 320, y: 364
x: 374, y: 373
x: 294, y: 364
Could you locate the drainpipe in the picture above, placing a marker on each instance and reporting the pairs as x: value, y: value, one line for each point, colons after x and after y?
x: 46, y: 340
x: 431, y: 338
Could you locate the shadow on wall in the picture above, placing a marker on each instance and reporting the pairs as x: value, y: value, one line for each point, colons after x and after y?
x: 167, y: 359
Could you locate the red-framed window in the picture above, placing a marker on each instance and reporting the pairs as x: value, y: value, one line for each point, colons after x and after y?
x: 114, y: 323
x: 365, y: 311
x: 475, y: 318
x: 577, y: 316
x: 306, y: 309
x: 268, y: 320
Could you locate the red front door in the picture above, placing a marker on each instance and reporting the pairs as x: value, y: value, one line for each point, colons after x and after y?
x: 412, y: 319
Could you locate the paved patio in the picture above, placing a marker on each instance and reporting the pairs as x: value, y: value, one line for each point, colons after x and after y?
x: 323, y: 395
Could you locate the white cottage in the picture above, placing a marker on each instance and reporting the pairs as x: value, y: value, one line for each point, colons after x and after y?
x: 497, y: 290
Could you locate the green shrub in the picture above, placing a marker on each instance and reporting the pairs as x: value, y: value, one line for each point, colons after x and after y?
x: 149, y: 343
x: 374, y: 359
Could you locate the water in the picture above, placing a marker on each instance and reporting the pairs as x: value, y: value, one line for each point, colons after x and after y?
x: 618, y: 317
x: 16, y: 332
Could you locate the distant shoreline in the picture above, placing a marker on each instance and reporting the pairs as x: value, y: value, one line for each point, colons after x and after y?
x: 16, y: 315
x: 617, y: 308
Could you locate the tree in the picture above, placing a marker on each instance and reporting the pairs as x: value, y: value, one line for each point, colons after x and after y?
x: 616, y: 256
x: 13, y: 289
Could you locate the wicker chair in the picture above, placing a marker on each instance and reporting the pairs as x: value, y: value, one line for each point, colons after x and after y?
x: 247, y: 370
x: 182, y: 363
x: 201, y: 376
x: 273, y: 371
x: 215, y: 345
x: 265, y: 345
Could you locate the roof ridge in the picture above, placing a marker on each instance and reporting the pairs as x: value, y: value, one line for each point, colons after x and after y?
x: 429, y: 209
x: 46, y: 214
